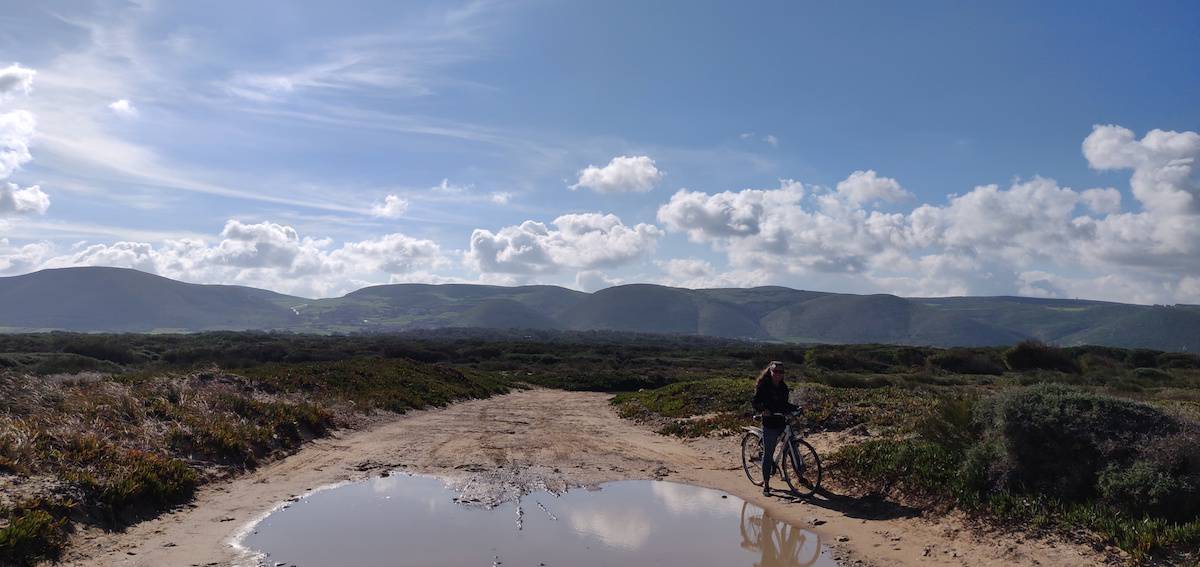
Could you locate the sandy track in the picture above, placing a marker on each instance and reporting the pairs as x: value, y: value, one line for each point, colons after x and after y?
x: 500, y: 447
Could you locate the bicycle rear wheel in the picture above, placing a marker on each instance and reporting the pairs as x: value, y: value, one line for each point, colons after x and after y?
x: 752, y: 457
x: 802, y: 468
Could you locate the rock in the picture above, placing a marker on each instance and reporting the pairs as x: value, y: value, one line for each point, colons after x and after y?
x: 817, y: 522
x: 843, y: 539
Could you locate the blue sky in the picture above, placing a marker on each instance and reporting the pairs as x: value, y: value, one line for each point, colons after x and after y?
x: 314, y: 148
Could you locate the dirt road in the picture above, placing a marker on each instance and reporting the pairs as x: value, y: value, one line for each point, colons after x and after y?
x: 507, y: 445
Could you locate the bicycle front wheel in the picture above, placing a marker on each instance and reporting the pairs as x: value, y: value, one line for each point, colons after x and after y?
x: 802, y: 468
x: 752, y: 450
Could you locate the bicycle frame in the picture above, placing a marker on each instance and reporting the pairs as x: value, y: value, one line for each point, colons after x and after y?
x: 800, y: 466
x: 786, y: 442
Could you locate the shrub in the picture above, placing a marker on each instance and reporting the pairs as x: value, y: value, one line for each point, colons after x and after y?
x: 1033, y: 355
x: 845, y: 358
x: 123, y: 481
x: 1142, y: 358
x: 30, y: 536
x: 1151, y: 374
x: 919, y: 468
x: 950, y: 424
x: 1146, y: 489
x: 101, y: 348
x: 965, y: 361
x: 1058, y: 439
x: 1178, y: 360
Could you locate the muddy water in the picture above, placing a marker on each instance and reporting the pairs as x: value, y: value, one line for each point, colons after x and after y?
x: 411, y: 520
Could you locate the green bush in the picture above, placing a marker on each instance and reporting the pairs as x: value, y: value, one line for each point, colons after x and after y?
x: 31, y: 536
x: 916, y: 467
x: 1178, y: 360
x: 966, y: 361
x: 1033, y: 355
x: 846, y: 358
x: 1146, y: 489
x: 1058, y: 439
x: 122, y: 482
x: 1142, y: 358
x: 1152, y: 374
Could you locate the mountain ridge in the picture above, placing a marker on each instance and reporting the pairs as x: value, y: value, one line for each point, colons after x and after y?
x: 103, y: 299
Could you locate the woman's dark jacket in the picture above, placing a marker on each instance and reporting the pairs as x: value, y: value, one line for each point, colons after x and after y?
x: 772, y: 397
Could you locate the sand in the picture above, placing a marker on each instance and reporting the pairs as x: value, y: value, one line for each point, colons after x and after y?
x: 503, y: 446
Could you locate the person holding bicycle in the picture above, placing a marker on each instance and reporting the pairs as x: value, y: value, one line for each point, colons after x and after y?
x: 771, y: 400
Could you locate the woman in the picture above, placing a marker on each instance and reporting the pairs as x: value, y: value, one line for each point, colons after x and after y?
x: 771, y: 399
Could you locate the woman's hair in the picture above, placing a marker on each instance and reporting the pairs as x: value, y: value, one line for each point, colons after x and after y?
x: 766, y: 372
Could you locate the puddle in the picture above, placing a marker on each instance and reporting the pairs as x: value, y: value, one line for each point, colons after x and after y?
x: 414, y: 520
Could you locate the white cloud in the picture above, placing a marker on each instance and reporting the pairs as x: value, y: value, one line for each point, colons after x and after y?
x: 123, y: 108
x: 17, y: 201
x: 576, y: 241
x: 16, y: 131
x: 1102, y: 201
x: 1033, y: 236
x: 501, y: 197
x: 1163, y: 164
x: 25, y: 258
x: 15, y: 79
x: 696, y: 274
x: 594, y: 280
x: 865, y: 187
x: 448, y: 188
x: 624, y: 174
x: 265, y: 254
x: 706, y: 217
x: 771, y: 140
x: 392, y: 207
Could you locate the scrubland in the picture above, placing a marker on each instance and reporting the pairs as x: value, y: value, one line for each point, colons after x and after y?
x: 1082, y: 442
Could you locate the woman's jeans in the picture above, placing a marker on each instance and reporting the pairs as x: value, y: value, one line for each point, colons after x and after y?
x: 770, y: 440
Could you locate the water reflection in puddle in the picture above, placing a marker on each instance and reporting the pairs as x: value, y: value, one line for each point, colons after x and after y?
x: 412, y: 520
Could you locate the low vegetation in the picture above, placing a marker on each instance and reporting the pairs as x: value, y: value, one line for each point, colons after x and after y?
x: 1044, y: 438
x: 107, y: 450
x: 107, y: 429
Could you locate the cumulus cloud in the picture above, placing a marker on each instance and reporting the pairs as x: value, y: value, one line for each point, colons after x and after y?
x: 25, y: 258
x: 15, y: 79
x: 16, y: 131
x: 771, y: 140
x: 863, y: 187
x: 501, y: 197
x: 1102, y: 201
x: 123, y: 108
x: 265, y: 254
x: 17, y: 201
x: 1033, y: 236
x: 706, y: 217
x: 392, y: 207
x: 624, y: 174
x: 574, y: 241
x: 1163, y: 164
x: 594, y: 280
x: 697, y: 274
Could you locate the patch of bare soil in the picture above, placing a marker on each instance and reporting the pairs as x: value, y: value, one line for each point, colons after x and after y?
x: 496, y: 449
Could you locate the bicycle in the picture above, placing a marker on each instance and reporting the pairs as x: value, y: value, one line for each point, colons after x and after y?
x: 794, y: 457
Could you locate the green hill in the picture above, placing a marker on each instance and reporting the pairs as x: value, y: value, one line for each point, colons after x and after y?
x: 118, y: 299
x: 112, y: 299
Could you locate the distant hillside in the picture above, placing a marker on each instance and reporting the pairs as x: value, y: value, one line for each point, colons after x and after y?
x: 118, y: 299
x: 112, y: 299
x: 881, y: 319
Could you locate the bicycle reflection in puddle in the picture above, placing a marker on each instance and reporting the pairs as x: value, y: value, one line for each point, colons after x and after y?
x: 780, y: 543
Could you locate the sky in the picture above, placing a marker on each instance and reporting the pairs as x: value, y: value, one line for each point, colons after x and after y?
x: 1043, y: 149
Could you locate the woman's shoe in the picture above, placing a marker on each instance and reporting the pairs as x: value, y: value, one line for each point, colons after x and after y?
x: 766, y: 490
